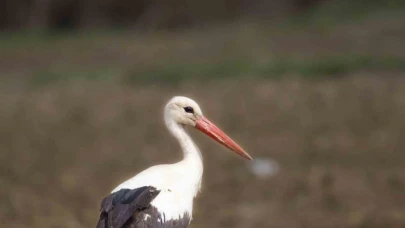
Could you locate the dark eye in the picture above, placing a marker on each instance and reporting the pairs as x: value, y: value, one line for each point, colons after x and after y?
x: 189, y: 109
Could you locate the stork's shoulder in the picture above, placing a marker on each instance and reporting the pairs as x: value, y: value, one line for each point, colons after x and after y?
x: 156, y: 176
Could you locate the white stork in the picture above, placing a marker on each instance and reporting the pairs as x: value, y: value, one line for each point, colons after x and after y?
x: 162, y: 195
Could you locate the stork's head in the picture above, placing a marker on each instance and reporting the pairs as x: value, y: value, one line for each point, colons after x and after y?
x: 183, y: 110
x: 186, y: 112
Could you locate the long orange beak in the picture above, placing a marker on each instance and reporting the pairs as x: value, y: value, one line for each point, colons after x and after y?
x: 208, y: 128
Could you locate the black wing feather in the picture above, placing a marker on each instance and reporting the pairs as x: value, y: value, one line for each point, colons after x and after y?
x: 118, y: 207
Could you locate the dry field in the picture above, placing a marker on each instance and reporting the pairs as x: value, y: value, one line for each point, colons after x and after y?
x: 339, y: 144
x: 80, y: 114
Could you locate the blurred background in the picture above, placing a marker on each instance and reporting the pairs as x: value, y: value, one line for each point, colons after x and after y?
x: 314, y: 90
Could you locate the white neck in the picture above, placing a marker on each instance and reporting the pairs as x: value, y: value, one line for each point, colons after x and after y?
x: 190, y: 151
x: 192, y: 160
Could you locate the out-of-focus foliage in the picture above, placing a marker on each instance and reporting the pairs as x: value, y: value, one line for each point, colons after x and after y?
x: 316, y: 86
x: 169, y: 14
x: 150, y: 14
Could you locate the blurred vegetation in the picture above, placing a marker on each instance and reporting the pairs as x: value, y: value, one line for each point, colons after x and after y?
x: 178, y: 14
x: 317, y: 85
x: 143, y: 14
x: 323, y: 39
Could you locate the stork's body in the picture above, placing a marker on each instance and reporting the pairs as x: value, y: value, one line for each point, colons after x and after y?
x: 162, y: 195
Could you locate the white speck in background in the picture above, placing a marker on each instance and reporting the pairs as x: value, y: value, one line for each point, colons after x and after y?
x: 264, y: 167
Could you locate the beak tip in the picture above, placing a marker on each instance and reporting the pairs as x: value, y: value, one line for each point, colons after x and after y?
x: 244, y: 154
x: 249, y: 158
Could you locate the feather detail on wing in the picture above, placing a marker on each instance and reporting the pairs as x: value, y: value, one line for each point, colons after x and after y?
x: 118, y: 207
